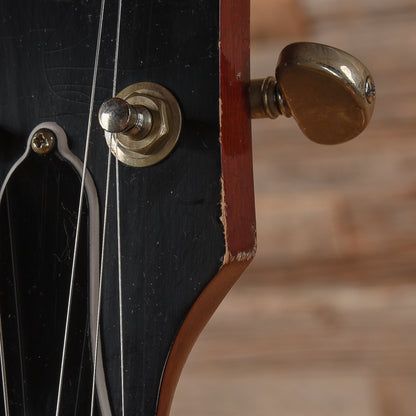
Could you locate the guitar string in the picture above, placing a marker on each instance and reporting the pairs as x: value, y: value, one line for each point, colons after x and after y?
x: 97, y: 329
x: 120, y: 296
x: 120, y: 292
x: 2, y: 356
x: 77, y: 232
x: 18, y: 312
x: 100, y: 280
x: 3, y: 375
x: 18, y: 318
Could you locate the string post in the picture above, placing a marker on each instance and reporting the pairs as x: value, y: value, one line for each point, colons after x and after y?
x: 145, y: 118
x: 118, y: 116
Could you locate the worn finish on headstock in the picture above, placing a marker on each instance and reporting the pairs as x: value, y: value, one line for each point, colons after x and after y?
x: 187, y: 223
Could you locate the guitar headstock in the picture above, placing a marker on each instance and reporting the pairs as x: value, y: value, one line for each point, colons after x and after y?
x: 173, y: 235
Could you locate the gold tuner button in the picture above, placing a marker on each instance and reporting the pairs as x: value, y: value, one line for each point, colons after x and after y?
x: 330, y: 94
x: 142, y: 124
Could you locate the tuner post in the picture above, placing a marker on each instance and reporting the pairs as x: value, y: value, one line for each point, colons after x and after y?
x: 266, y: 101
x: 118, y: 116
x: 142, y: 124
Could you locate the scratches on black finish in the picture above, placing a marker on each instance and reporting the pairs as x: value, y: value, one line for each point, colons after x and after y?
x: 15, y: 286
x: 34, y: 286
x: 172, y: 237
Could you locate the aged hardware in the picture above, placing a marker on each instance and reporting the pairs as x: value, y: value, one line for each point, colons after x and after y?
x: 43, y: 141
x: 330, y: 94
x: 118, y: 116
x: 145, y: 118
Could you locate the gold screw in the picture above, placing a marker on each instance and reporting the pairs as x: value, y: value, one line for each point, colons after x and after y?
x: 43, y: 141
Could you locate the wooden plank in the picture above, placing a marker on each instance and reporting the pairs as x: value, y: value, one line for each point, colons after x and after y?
x: 330, y: 10
x: 271, y: 19
x: 245, y: 393
x: 268, y: 345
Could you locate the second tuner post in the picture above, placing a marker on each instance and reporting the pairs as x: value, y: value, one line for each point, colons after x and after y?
x: 142, y: 124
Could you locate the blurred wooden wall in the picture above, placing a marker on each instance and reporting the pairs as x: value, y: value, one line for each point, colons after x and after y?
x: 324, y: 321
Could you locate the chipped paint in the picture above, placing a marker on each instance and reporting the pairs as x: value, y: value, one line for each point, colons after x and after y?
x: 223, y: 220
x: 228, y: 256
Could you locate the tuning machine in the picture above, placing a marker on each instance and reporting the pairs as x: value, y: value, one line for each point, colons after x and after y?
x: 146, y: 120
x: 329, y: 93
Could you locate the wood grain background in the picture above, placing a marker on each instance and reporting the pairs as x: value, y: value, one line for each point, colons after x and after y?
x: 324, y: 320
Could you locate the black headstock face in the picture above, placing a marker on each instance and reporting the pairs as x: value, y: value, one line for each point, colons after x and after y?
x: 173, y: 234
